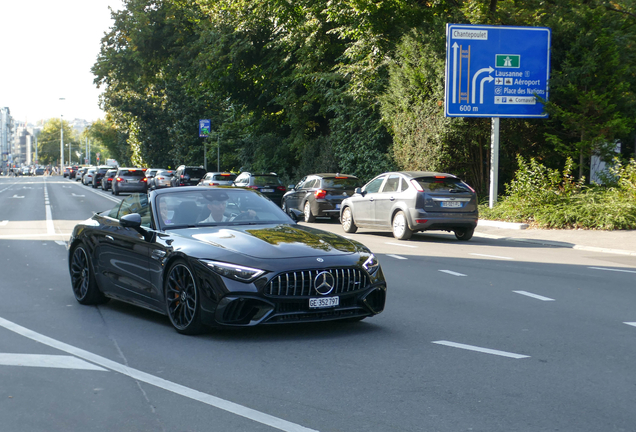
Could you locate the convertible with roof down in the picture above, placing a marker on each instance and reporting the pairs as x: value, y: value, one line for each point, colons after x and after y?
x: 221, y: 256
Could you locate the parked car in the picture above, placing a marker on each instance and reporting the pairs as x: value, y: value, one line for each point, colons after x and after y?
x: 107, y: 179
x: 39, y: 171
x: 99, y: 174
x: 258, y: 266
x: 188, y: 175
x: 161, y: 179
x: 80, y: 173
x: 269, y: 184
x: 129, y: 180
x: 410, y: 201
x: 67, y: 172
x: 217, y: 179
x: 320, y: 195
x: 87, y: 178
x: 150, y: 174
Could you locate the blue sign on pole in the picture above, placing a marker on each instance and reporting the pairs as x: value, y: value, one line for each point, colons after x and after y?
x: 204, y: 128
x: 496, y: 71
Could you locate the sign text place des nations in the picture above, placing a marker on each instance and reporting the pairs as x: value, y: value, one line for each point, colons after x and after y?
x: 496, y: 71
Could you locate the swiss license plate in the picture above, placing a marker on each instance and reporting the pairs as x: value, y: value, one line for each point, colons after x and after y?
x: 323, y: 302
x: 267, y: 190
x: 451, y: 204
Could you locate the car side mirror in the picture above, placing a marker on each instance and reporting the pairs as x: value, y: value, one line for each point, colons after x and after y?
x: 296, y: 215
x: 359, y: 191
x: 291, y: 187
x: 132, y: 220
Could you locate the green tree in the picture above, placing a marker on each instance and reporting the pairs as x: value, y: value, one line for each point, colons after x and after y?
x: 49, y: 142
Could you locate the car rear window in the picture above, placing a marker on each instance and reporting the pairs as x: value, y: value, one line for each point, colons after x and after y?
x: 266, y: 180
x: 195, y: 172
x: 226, y: 177
x: 340, y: 183
x: 445, y: 184
x: 133, y: 173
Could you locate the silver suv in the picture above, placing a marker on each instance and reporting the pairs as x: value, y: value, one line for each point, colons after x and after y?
x: 410, y: 201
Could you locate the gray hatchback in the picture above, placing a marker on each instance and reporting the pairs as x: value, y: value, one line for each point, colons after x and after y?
x: 410, y: 201
x: 130, y: 180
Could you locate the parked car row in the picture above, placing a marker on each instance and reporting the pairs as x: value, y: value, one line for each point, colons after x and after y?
x: 403, y: 202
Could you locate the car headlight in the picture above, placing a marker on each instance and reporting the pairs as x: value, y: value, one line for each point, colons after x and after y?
x: 372, y: 264
x: 233, y: 271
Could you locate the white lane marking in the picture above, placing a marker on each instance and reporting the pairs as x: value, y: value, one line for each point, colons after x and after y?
x: 61, y: 243
x: 16, y: 196
x: 396, y: 256
x: 631, y: 323
x: 614, y: 270
x: 47, y: 361
x: 480, y: 349
x: 452, y: 273
x: 536, y: 296
x: 401, y: 244
x: 80, y: 196
x: 491, y: 256
x: 4, y: 222
x: 205, y: 398
x: 50, y: 228
x: 43, y: 236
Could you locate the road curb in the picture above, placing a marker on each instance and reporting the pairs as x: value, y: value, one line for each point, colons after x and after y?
x: 501, y: 224
x: 558, y: 244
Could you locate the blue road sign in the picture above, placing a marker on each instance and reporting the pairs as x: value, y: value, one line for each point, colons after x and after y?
x: 496, y: 71
x: 204, y: 128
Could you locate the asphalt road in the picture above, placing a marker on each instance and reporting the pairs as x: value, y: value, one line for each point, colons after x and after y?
x: 485, y: 335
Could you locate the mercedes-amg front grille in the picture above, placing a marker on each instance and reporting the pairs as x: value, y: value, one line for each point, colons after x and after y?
x: 302, y: 283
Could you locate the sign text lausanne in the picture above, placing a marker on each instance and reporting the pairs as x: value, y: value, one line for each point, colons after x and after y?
x: 496, y: 71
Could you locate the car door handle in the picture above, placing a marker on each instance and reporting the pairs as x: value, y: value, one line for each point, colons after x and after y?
x: 392, y: 198
x: 110, y: 238
x: 371, y: 199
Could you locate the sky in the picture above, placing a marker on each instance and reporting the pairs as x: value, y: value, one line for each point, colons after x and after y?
x: 48, y: 48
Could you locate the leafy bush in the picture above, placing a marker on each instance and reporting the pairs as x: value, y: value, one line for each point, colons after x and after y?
x: 547, y: 198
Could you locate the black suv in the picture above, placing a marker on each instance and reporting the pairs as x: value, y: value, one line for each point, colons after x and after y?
x: 188, y: 175
x: 320, y: 194
x: 98, y: 175
x: 269, y: 184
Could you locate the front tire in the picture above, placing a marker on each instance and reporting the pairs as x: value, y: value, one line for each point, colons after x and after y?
x: 401, y: 230
x: 83, y: 279
x: 182, y: 299
x: 309, y: 217
x: 464, y: 234
x: 348, y: 225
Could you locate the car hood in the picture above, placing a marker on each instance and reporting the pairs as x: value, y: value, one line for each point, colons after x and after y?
x: 270, y: 241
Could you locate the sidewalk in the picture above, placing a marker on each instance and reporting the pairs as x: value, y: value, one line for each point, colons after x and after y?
x: 616, y: 242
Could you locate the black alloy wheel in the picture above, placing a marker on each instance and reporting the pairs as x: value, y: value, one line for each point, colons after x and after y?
x: 182, y: 299
x: 464, y: 234
x: 83, y: 280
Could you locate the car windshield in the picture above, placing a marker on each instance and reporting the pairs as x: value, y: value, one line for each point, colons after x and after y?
x: 214, y: 207
x: 442, y: 184
x: 340, y: 183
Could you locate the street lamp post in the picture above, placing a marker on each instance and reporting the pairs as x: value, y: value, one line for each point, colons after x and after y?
x: 62, y: 142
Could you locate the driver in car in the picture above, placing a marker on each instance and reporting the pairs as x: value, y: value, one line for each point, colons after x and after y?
x: 217, y: 209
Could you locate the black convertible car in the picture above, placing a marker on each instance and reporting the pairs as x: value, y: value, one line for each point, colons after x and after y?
x: 221, y: 256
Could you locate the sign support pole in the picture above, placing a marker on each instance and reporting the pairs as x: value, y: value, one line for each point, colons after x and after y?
x: 205, y: 155
x: 494, y: 161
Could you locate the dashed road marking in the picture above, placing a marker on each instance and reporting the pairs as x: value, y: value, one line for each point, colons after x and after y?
x: 631, y: 323
x: 397, y: 256
x: 536, y: 296
x: 402, y: 244
x: 482, y: 350
x: 491, y: 256
x: 47, y: 361
x: 614, y: 270
x: 450, y: 272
